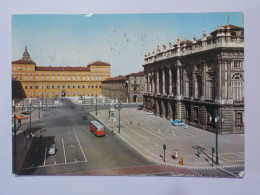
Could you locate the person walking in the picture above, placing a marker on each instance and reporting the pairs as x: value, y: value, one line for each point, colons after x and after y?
x: 186, y: 127
x: 198, y: 151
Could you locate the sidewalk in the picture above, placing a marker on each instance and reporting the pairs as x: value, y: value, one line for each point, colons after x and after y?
x: 23, y: 142
x: 148, y: 133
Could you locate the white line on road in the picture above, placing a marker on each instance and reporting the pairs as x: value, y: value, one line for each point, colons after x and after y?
x: 80, y: 146
x: 45, y: 156
x: 34, y: 167
x: 228, y: 172
x: 64, y: 150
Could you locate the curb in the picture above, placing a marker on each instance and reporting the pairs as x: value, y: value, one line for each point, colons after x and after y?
x: 169, y: 164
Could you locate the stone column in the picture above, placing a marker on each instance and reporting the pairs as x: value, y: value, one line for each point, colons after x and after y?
x: 230, y: 97
x: 146, y: 83
x: 203, y: 81
x: 170, y: 110
x: 163, y: 81
x: 157, y: 82
x: 219, y: 80
x: 193, y: 82
x: 149, y: 83
x: 170, y: 81
x: 178, y: 79
x: 153, y: 89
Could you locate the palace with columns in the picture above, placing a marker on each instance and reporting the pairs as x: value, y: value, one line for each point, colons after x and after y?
x: 200, y: 82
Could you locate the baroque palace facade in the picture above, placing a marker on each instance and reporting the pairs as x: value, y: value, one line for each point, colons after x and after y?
x: 200, y: 82
x: 46, y: 81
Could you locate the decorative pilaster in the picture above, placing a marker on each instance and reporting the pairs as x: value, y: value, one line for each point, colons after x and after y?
x: 157, y: 82
x: 163, y: 81
x: 170, y: 81
x: 178, y: 79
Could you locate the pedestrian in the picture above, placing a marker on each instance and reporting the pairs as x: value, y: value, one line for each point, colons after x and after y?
x: 138, y: 123
x: 176, y: 154
x: 173, y: 154
x: 186, y: 127
x: 199, y: 151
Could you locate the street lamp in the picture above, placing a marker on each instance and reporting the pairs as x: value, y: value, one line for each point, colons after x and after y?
x: 119, y: 105
x: 96, y: 104
x: 216, y: 123
x: 39, y: 107
x: 42, y: 102
x: 30, y: 116
x: 14, y: 145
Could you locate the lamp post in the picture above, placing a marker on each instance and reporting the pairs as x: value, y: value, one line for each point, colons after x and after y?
x: 46, y: 102
x: 30, y: 116
x: 39, y: 108
x: 96, y: 104
x: 216, y: 123
x: 42, y: 102
x: 14, y: 145
x: 118, y: 107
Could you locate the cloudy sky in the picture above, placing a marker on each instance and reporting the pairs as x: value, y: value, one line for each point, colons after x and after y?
x: 120, y: 39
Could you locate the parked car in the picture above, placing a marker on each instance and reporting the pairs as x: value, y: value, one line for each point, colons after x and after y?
x: 140, y: 107
x: 52, y: 149
x: 149, y: 113
x: 178, y: 123
x: 24, y: 113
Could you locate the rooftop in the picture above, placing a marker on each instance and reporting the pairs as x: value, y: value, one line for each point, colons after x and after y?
x: 68, y: 68
x: 119, y: 78
x: 141, y: 73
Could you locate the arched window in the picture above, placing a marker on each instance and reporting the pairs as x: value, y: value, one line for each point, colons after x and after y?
x: 237, y: 86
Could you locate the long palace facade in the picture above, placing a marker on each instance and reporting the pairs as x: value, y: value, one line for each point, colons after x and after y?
x: 31, y: 81
x: 200, y: 82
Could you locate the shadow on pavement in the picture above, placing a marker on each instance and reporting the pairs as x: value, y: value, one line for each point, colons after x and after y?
x: 36, y: 154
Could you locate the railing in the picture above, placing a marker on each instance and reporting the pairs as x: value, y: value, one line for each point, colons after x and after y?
x: 200, y: 46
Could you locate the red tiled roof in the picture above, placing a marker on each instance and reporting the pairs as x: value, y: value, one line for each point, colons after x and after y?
x: 119, y: 78
x: 99, y: 63
x: 68, y: 68
x: 22, y: 62
x: 141, y: 73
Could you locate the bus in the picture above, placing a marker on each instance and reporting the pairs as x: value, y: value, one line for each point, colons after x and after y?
x: 97, y: 128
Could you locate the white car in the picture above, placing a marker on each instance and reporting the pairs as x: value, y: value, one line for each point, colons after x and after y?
x: 149, y: 113
x: 52, y: 149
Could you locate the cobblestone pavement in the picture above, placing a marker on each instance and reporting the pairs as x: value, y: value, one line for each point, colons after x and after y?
x: 148, y: 133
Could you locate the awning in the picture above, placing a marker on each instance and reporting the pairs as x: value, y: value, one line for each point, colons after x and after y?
x: 20, y: 117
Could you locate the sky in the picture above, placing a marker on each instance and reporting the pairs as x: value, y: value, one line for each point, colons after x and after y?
x: 119, y: 39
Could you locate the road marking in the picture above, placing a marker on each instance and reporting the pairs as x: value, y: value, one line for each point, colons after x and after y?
x: 63, y: 150
x: 80, y: 146
x: 45, y: 156
x: 34, y: 167
x: 228, y: 172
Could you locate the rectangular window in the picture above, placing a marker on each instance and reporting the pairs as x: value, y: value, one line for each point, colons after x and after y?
x: 36, y: 77
x: 31, y: 77
x: 73, y: 78
x: 68, y: 78
x: 47, y: 78
x: 239, y: 118
x: 237, y: 90
x: 78, y: 78
x: 83, y: 78
x: 211, y: 90
x: 42, y: 78
x: 52, y: 77
x: 237, y: 64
